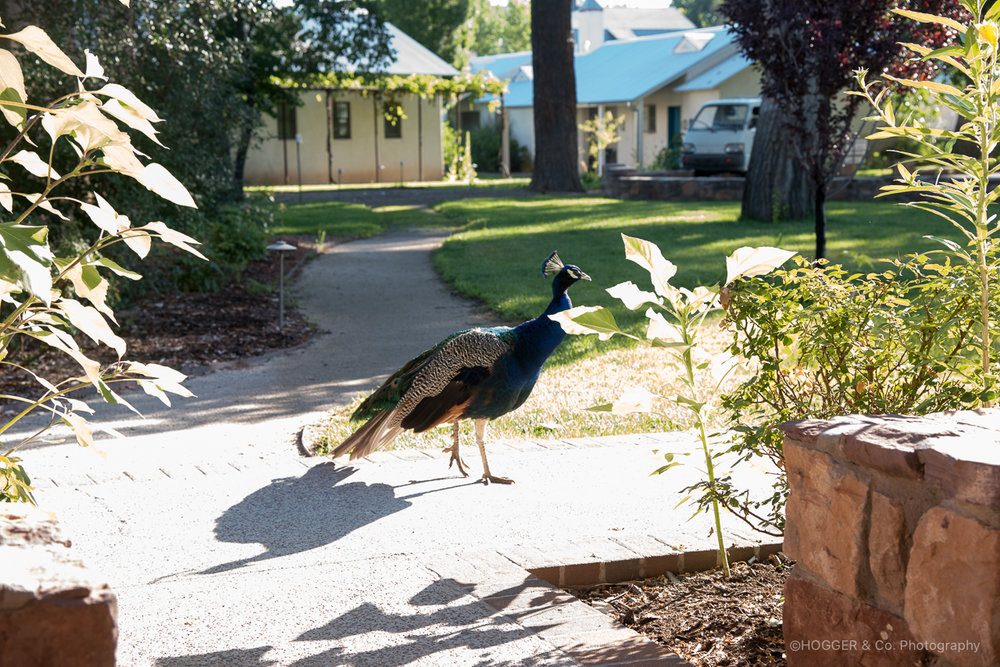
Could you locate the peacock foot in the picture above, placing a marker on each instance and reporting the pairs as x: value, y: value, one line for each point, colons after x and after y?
x: 487, y: 478
x: 457, y: 460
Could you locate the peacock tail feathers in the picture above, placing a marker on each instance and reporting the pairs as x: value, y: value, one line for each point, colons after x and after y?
x: 377, y: 432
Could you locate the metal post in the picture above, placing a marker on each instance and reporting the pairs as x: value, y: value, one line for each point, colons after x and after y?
x: 281, y: 247
x: 281, y: 290
x: 298, y: 160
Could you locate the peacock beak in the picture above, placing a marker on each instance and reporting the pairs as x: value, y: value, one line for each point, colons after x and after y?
x: 584, y: 276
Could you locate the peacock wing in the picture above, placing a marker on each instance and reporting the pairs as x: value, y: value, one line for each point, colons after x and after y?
x: 450, y: 377
x: 392, y: 390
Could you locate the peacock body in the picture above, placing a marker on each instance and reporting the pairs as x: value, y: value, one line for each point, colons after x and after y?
x: 477, y: 374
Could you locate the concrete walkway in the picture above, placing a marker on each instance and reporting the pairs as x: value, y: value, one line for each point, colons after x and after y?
x: 226, y: 547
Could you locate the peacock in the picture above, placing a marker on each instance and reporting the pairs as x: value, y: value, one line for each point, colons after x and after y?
x: 477, y: 374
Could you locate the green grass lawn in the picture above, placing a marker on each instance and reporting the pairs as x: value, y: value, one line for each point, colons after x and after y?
x: 497, y: 252
x: 333, y: 219
x: 500, y: 243
x: 498, y: 257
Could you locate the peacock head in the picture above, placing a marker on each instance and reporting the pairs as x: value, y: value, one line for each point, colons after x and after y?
x: 566, y: 274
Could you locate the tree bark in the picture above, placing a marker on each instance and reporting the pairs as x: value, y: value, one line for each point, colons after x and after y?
x: 819, y: 211
x: 556, y: 157
x: 776, y: 187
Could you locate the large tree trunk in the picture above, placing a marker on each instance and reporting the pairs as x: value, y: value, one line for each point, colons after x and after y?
x: 819, y: 206
x: 556, y: 157
x: 776, y: 187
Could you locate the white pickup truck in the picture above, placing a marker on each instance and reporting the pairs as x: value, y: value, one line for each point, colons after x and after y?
x: 720, y: 137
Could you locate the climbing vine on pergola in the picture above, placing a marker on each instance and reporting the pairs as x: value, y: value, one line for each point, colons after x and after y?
x: 393, y: 85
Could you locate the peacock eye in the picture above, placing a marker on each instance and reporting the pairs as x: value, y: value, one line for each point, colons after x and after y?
x: 395, y: 383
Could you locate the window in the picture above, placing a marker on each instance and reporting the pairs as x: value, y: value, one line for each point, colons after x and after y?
x: 731, y: 117
x: 341, y: 120
x: 286, y: 122
x: 650, y: 118
x: 393, y: 121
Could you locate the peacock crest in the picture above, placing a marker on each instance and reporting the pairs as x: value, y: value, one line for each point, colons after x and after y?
x: 552, y: 265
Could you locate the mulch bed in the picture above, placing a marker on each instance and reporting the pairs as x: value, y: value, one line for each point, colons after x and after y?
x: 190, y: 332
x: 703, y: 617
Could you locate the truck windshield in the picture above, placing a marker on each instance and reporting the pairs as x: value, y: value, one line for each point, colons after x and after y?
x: 721, y: 117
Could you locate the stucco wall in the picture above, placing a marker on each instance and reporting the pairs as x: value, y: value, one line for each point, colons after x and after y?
x: 324, y: 159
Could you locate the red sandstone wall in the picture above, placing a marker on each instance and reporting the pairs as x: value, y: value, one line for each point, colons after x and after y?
x: 895, y: 526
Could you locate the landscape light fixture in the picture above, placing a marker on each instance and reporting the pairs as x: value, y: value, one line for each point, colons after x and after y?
x: 281, y: 247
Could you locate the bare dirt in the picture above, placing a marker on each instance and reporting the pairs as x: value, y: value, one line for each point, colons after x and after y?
x: 708, y: 620
x: 190, y: 332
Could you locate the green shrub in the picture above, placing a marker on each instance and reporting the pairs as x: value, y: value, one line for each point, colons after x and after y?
x: 669, y: 157
x: 485, y: 147
x: 590, y: 180
x: 822, y: 343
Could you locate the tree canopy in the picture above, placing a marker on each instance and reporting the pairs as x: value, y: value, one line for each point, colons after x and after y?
x: 807, y: 52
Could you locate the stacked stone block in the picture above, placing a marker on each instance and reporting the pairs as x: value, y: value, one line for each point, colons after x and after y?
x: 895, y: 526
x: 53, y: 613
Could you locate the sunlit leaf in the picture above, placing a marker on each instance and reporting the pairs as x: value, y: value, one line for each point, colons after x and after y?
x: 128, y: 98
x: 131, y: 118
x: 931, y: 18
x: 138, y: 241
x: 94, y: 69
x: 88, y: 283
x: 174, y: 238
x: 157, y: 179
x: 583, y: 320
x: 35, y: 165
x: 927, y: 85
x: 43, y: 203
x: 91, y: 322
x: 104, y: 216
x: 81, y: 429
x: 648, y: 256
x: 36, y: 41
x: 12, y: 88
x: 747, y: 262
x: 26, y: 258
x: 6, y: 198
x: 630, y: 295
x: 87, y: 126
x: 660, y: 329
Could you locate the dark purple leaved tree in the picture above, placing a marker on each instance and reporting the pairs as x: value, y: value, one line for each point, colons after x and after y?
x: 806, y: 51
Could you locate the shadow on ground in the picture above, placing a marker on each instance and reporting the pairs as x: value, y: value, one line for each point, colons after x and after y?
x: 452, y: 624
x: 296, y: 514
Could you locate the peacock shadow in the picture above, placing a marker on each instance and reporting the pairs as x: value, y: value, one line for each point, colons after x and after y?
x: 296, y: 514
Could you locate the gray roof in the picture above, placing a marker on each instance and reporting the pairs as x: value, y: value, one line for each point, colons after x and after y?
x: 632, y: 22
x: 414, y: 58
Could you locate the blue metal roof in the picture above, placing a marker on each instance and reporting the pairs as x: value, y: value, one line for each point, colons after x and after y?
x: 626, y: 70
x: 620, y: 71
x: 716, y: 75
x: 501, y: 65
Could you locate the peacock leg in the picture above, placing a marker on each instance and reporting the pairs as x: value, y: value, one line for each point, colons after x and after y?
x: 455, y: 458
x: 480, y: 428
